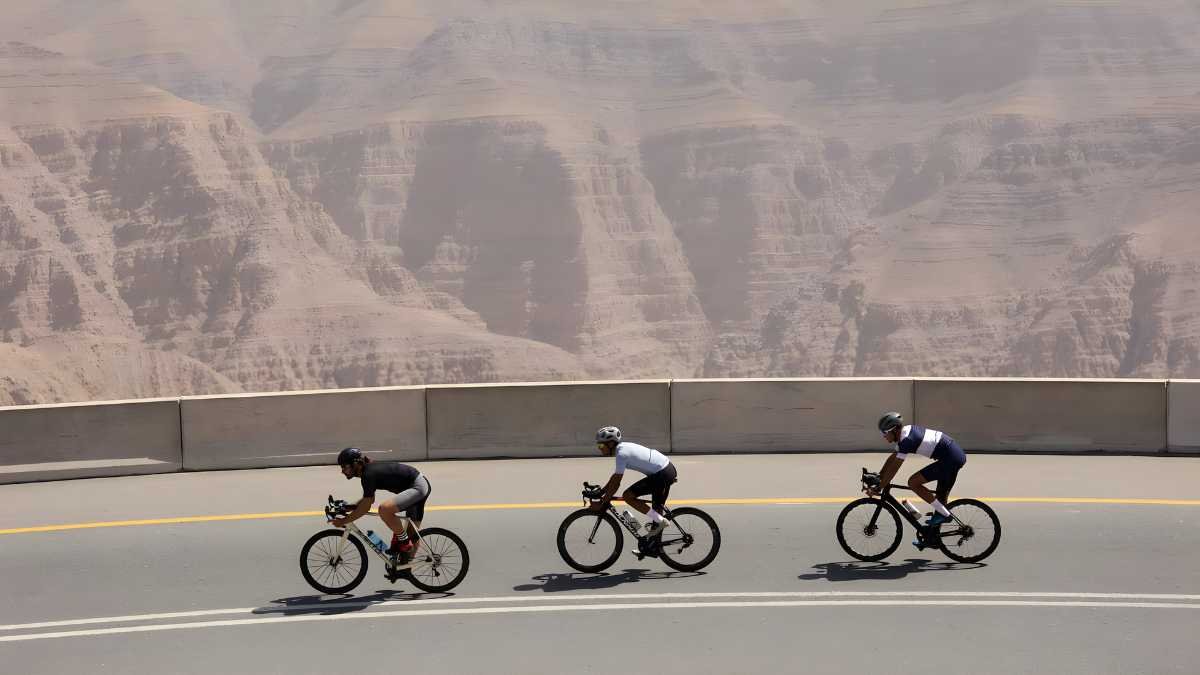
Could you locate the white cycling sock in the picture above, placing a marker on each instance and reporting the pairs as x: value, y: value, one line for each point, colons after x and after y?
x: 937, y: 506
x: 655, y: 516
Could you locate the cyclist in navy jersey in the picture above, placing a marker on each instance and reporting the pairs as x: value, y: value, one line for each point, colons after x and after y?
x: 660, y: 475
x: 947, y: 458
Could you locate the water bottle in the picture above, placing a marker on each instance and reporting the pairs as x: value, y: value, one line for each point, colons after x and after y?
x: 911, y: 509
x: 376, y: 541
x: 629, y: 519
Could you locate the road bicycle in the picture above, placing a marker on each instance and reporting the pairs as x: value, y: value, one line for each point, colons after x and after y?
x: 590, y: 541
x: 869, y: 528
x: 335, y: 560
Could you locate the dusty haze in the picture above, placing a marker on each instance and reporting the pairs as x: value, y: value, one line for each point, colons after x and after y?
x: 219, y: 196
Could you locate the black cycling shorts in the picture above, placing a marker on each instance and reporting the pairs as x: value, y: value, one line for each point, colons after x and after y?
x: 948, y: 460
x: 657, y: 485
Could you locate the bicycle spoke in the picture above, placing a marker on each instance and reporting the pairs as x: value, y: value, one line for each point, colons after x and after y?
x: 589, y: 540
x: 972, y: 534
x: 441, y: 561
x: 328, y: 566
x: 694, y: 542
x: 867, y: 530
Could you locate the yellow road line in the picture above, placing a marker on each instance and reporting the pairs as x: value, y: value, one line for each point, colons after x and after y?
x: 1090, y: 500
x: 160, y: 521
x: 563, y: 505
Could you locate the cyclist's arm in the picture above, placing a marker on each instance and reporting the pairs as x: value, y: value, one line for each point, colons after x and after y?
x: 890, y: 467
x: 364, y: 505
x: 610, y: 488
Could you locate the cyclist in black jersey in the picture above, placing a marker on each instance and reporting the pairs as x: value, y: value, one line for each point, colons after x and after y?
x: 411, y: 488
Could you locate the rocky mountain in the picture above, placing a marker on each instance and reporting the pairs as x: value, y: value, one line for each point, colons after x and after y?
x: 221, y: 196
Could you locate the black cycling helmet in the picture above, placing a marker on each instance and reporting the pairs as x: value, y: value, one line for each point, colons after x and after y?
x: 890, y: 421
x: 350, y: 456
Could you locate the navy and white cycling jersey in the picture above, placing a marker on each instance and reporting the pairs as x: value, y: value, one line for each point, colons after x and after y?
x: 929, y: 443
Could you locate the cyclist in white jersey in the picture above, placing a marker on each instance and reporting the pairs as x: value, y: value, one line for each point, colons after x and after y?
x: 660, y: 475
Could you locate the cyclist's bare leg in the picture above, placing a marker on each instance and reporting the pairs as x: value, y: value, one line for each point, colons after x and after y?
x: 937, y: 501
x: 917, y: 483
x: 642, y: 506
x: 391, y: 517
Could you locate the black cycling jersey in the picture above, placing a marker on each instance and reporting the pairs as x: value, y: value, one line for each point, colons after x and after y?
x: 387, y: 475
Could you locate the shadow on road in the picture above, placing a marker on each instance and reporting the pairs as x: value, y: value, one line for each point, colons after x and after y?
x: 323, y: 604
x: 856, y: 571
x: 579, y: 581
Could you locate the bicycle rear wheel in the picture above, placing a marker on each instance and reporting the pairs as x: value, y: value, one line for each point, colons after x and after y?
x: 869, y: 529
x: 974, y: 533
x: 440, y: 561
x: 691, y: 541
x: 589, y: 541
x: 332, y: 564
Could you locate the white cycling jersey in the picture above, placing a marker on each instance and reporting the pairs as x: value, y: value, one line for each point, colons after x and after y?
x: 640, y: 458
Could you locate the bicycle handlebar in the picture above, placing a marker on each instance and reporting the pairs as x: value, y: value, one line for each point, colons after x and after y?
x: 592, y: 492
x: 337, y: 507
x: 872, y: 480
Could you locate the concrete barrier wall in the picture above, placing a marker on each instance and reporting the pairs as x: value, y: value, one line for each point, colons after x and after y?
x: 1038, y: 415
x: 559, y: 419
x: 302, y: 428
x: 1183, y: 416
x: 79, y: 440
x: 544, y: 420
x: 770, y: 415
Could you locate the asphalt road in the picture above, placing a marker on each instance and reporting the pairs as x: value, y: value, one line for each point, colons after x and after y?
x: 1086, y: 579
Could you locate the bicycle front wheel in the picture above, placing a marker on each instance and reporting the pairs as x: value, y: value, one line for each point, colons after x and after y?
x: 973, y: 534
x: 589, y: 541
x: 333, y: 564
x: 691, y: 541
x: 869, y: 529
x: 440, y: 561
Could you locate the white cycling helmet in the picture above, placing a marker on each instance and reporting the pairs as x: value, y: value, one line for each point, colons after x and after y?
x: 606, y: 434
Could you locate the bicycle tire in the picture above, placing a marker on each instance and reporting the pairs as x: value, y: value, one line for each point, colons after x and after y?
x: 991, y: 547
x: 606, y: 521
x: 870, y: 503
x: 325, y: 554
x: 712, y: 553
x: 432, y: 554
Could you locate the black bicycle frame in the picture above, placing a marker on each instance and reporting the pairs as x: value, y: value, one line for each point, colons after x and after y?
x: 642, y: 539
x: 895, y: 503
x: 923, y: 532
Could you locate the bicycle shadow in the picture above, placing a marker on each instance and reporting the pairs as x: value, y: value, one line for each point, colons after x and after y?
x: 325, y: 605
x: 858, y: 571
x: 553, y: 582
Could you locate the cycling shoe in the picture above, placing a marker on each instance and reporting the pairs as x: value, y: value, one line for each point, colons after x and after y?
x: 936, y: 520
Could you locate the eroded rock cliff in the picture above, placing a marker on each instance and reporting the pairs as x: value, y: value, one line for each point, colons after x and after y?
x: 251, y: 196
